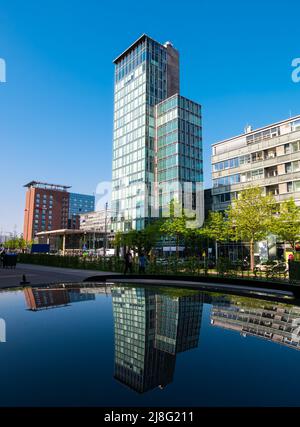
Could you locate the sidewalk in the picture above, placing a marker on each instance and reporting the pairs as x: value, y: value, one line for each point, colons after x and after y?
x: 39, y: 274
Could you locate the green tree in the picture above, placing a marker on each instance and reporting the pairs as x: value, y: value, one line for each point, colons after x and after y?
x: 176, y: 225
x: 216, y: 228
x: 118, y: 242
x: 139, y: 240
x: 287, y: 224
x: 250, y: 216
x: 21, y: 243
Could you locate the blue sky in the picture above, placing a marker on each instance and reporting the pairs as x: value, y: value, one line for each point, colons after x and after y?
x: 57, y: 104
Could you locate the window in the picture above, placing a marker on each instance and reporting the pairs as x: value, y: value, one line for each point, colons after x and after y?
x: 288, y: 167
x: 256, y: 157
x: 264, y: 135
x: 257, y: 174
x: 245, y: 159
x: 297, y: 186
x: 296, y: 166
x: 295, y: 125
x: 272, y: 190
x: 295, y: 146
x: 270, y: 154
x: 273, y: 171
x: 287, y: 148
x: 289, y: 186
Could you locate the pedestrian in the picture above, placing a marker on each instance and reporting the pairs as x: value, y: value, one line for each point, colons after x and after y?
x: 128, y: 262
x: 142, y: 263
x: 2, y: 256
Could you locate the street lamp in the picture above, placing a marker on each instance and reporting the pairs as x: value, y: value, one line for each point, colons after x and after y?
x: 105, y: 230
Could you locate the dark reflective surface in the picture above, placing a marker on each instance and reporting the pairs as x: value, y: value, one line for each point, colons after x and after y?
x: 131, y: 345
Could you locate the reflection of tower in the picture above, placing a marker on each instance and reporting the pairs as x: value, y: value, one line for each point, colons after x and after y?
x: 138, y: 363
x: 150, y: 328
x: 178, y: 322
x: 268, y: 320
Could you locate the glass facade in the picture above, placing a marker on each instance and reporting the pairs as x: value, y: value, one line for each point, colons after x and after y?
x: 179, y: 146
x: 80, y: 203
x: 145, y: 75
x: 138, y: 364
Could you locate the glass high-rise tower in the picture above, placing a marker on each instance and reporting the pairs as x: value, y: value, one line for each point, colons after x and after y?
x: 157, y: 133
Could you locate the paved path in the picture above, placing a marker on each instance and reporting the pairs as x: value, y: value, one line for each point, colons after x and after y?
x: 38, y: 274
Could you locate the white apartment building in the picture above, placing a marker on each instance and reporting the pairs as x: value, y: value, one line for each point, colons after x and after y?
x: 268, y: 157
x: 98, y: 221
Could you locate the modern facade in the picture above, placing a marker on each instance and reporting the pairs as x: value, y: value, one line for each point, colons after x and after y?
x: 268, y: 157
x: 51, y: 207
x: 157, y: 133
x: 178, y: 149
x: 178, y: 322
x: 79, y: 204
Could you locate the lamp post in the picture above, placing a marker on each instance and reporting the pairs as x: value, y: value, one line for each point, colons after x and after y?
x: 105, y: 230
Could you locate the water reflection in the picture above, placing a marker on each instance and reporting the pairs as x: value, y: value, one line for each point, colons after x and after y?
x: 151, y: 327
x: 44, y: 298
x: 268, y: 320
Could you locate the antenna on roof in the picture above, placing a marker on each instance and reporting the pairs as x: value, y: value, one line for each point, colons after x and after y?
x: 248, y: 128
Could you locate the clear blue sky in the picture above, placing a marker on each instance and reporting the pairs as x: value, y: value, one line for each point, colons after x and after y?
x: 57, y: 105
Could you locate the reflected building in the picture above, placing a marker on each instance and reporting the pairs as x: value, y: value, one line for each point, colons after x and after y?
x: 268, y: 320
x: 43, y: 298
x: 178, y: 322
x: 150, y: 328
x: 76, y: 295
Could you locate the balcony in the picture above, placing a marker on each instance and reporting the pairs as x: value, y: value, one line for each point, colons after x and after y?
x: 252, y: 148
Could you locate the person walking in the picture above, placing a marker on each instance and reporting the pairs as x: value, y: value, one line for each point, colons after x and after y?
x: 128, y: 262
x: 142, y: 263
x: 2, y: 256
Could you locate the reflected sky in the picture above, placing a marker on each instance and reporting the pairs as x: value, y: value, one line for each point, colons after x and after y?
x: 146, y: 346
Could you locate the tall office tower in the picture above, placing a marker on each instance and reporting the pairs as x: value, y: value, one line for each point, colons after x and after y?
x: 178, y: 321
x: 178, y: 151
x: 146, y: 74
x: 138, y: 364
x: 150, y: 329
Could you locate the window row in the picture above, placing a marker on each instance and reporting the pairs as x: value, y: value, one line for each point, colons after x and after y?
x: 131, y: 126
